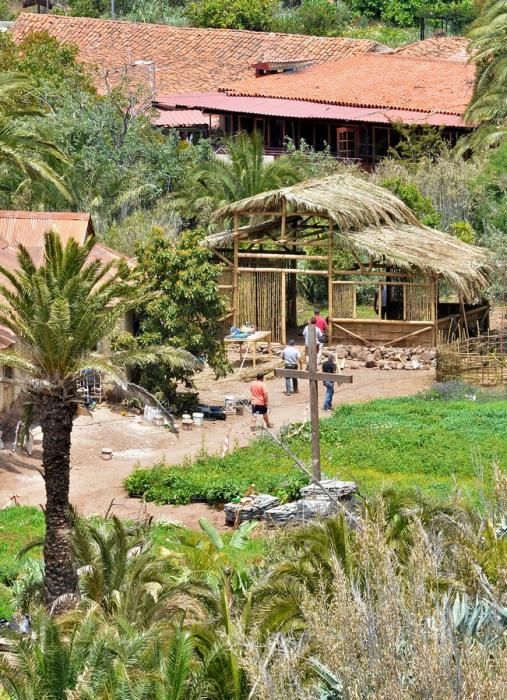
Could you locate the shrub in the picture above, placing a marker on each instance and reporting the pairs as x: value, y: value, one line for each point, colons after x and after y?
x: 232, y: 14
x: 409, y: 193
x: 314, y: 17
x: 213, y: 480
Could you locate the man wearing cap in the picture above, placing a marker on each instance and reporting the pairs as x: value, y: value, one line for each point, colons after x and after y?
x: 292, y: 358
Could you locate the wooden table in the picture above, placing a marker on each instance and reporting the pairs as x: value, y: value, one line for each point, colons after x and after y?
x: 251, y: 341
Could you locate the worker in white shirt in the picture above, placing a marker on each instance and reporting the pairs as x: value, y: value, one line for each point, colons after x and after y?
x: 292, y: 359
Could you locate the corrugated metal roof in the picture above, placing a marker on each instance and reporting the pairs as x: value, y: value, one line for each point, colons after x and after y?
x: 29, y: 227
x: 33, y: 241
x: 175, y: 118
x: 214, y: 102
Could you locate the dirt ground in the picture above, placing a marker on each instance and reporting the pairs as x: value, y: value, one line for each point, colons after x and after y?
x: 96, y: 484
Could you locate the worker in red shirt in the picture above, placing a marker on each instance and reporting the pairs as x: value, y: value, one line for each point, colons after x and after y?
x: 259, y: 401
x: 320, y: 322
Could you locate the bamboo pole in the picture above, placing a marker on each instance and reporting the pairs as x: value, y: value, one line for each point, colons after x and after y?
x: 282, y: 269
x: 235, y: 272
x: 282, y: 256
x: 284, y: 308
x: 330, y: 284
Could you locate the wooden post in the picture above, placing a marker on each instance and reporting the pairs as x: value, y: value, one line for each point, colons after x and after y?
x: 314, y: 401
x: 284, y: 308
x: 235, y: 281
x: 330, y: 313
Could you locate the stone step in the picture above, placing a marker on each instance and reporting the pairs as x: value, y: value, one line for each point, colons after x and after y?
x: 249, y: 508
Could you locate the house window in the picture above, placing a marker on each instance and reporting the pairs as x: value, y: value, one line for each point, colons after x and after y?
x: 347, y: 142
x: 8, y: 372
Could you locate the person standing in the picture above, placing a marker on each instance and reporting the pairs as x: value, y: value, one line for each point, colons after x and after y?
x: 320, y: 322
x: 328, y: 367
x: 292, y: 358
x: 318, y: 333
x: 259, y: 401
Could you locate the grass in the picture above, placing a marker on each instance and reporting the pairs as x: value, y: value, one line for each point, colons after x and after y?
x: 305, y: 311
x: 424, y: 443
x: 19, y: 525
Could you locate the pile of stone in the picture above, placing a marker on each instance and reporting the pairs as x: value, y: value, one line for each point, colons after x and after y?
x: 384, y: 357
x: 316, y: 502
x: 249, y: 508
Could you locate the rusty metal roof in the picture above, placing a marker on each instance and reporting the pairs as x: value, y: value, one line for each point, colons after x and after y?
x: 220, y: 103
x: 29, y: 227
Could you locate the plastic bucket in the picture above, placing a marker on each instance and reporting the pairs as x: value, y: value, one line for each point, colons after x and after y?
x: 198, y: 418
x: 229, y: 403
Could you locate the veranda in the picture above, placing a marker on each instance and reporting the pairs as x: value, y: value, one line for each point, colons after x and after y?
x: 311, y: 228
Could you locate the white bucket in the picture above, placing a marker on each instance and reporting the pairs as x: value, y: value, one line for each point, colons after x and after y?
x: 198, y: 418
x: 186, y: 416
x: 229, y: 403
x: 151, y: 412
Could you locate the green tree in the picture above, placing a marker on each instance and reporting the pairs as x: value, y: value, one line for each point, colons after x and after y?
x: 188, y: 309
x: 314, y: 17
x: 232, y: 14
x: 60, y: 313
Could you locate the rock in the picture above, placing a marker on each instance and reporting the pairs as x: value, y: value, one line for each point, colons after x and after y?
x: 353, y: 364
x: 370, y: 361
x: 250, y: 508
x: 341, y: 352
x: 337, y: 489
x: 299, y: 512
x: 426, y: 356
x: 377, y: 355
x: 356, y: 351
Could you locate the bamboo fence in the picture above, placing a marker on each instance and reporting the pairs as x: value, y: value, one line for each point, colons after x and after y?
x: 481, y: 361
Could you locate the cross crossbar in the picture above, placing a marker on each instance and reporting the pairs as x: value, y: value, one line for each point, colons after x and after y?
x: 316, y: 376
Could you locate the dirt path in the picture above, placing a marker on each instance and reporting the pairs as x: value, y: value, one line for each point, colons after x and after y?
x: 96, y: 483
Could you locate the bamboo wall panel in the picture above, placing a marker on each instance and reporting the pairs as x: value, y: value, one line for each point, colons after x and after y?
x: 480, y: 361
x: 418, y: 303
x: 260, y: 294
x: 344, y: 300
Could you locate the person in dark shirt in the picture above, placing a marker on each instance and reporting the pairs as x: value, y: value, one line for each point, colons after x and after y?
x: 328, y: 367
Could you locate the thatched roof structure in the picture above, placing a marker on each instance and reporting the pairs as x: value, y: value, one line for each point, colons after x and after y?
x: 367, y: 220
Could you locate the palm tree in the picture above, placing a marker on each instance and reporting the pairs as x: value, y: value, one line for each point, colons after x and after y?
x: 243, y: 173
x: 26, y: 148
x: 61, y: 312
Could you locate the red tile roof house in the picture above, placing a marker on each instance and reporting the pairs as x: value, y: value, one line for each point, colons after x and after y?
x: 28, y: 228
x: 345, y: 93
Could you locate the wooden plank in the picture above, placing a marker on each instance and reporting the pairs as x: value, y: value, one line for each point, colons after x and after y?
x: 283, y: 302
x: 235, y: 291
x: 354, y: 335
x: 330, y: 284
x: 318, y: 376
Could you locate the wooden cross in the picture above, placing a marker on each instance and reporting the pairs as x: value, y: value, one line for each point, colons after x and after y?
x: 314, y: 378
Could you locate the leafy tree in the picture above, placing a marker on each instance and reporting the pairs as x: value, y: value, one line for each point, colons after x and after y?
x: 232, y: 14
x: 188, y: 309
x: 52, y: 66
x: 60, y: 313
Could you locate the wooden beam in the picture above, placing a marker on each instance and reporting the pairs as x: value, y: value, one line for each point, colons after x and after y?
x: 330, y: 283
x: 354, y: 335
x: 283, y: 302
x: 408, y: 335
x: 235, y: 272
x: 282, y: 256
x: 282, y: 269
x: 318, y: 376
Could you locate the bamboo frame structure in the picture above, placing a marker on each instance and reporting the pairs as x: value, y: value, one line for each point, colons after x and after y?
x: 309, y: 223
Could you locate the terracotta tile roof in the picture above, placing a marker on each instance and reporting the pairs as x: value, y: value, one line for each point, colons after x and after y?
x: 186, y: 59
x: 450, y: 48
x: 174, y: 118
x: 382, y: 81
x: 29, y: 227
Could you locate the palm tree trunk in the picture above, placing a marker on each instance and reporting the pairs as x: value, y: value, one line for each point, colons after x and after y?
x: 60, y: 569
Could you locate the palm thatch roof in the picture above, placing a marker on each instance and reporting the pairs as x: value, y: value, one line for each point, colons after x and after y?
x: 368, y: 220
x: 350, y: 202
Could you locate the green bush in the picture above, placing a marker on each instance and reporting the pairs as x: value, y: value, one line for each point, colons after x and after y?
x: 232, y: 14
x: 412, y: 196
x: 214, y: 480
x: 314, y: 17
